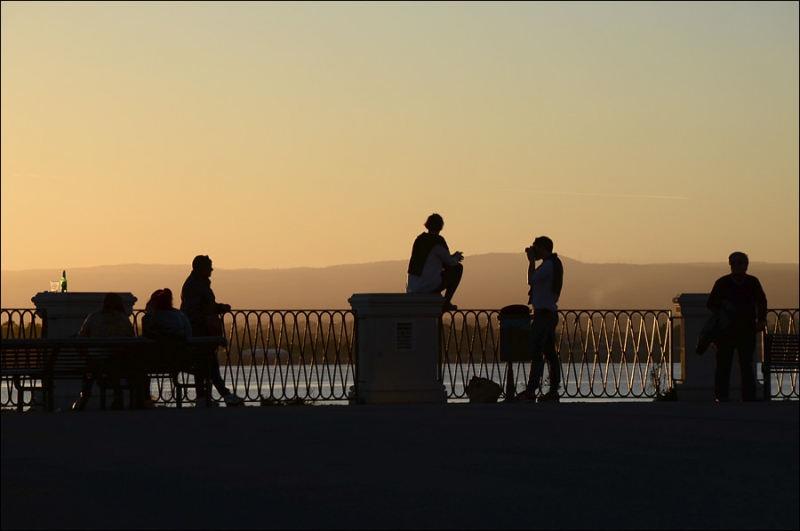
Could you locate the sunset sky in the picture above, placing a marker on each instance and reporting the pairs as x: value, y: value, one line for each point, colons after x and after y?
x: 274, y: 135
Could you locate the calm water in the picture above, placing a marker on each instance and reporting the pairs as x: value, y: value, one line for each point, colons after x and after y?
x: 315, y: 382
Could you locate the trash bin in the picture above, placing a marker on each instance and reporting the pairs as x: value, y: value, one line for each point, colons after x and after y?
x: 515, y: 329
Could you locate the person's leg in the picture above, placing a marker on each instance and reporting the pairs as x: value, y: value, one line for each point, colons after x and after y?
x: 118, y: 402
x: 86, y: 392
x: 745, y: 347
x: 140, y: 390
x: 553, y: 361
x: 211, y: 370
x: 722, y: 372
x: 216, y: 377
x: 202, y: 385
x: 536, y: 345
x: 451, y: 277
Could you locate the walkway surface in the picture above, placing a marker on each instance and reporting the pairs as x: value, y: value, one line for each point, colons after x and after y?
x: 662, y: 465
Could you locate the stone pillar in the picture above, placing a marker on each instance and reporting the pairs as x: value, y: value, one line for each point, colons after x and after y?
x: 62, y: 316
x: 63, y: 313
x: 697, y: 372
x: 397, y: 337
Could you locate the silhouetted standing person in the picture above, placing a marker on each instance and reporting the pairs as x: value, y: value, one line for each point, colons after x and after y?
x: 432, y: 269
x: 203, y: 310
x: 545, y: 284
x: 747, y: 304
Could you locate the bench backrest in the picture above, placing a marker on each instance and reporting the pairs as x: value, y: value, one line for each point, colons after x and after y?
x: 782, y: 351
x: 70, y: 356
x: 24, y: 360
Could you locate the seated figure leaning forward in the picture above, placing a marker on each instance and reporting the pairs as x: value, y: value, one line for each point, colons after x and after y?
x: 432, y: 269
x: 110, y: 321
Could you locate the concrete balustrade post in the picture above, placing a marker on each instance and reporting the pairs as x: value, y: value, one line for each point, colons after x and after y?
x: 397, y: 339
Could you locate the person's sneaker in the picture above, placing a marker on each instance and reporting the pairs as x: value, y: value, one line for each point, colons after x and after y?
x: 552, y: 396
x: 200, y: 402
x: 449, y: 307
x: 81, y: 402
x: 232, y: 400
x: 525, y: 396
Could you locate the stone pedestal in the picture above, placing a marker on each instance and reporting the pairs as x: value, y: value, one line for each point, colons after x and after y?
x: 62, y: 316
x: 63, y: 313
x: 397, y: 337
x: 697, y: 372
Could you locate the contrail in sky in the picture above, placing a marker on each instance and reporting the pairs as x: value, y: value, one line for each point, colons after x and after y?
x: 594, y: 194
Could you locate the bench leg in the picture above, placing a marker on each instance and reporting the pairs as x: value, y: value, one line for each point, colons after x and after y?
x: 135, y: 398
x: 178, y: 393
x: 48, y: 402
x: 20, y: 394
x: 49, y: 393
x: 206, y: 385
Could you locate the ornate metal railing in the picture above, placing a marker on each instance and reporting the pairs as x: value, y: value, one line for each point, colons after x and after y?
x: 309, y: 355
x: 784, y: 385
x: 290, y: 354
x: 20, y: 323
x: 604, y: 353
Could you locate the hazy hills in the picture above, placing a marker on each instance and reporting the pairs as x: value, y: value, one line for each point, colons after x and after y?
x: 490, y: 281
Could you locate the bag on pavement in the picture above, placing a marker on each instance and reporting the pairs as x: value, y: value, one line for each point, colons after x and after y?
x: 483, y: 391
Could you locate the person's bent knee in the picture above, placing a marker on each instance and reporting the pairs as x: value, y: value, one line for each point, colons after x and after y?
x: 454, y: 272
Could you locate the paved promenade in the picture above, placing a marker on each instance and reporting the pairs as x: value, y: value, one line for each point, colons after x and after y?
x: 663, y: 465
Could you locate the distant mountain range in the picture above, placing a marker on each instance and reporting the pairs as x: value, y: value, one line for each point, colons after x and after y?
x: 490, y: 281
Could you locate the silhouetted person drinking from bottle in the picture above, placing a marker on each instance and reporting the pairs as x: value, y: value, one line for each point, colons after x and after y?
x: 545, y: 284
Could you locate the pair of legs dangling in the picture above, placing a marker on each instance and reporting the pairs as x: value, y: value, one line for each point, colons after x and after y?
x: 451, y: 277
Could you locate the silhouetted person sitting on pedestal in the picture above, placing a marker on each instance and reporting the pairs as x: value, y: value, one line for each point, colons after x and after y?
x: 432, y: 269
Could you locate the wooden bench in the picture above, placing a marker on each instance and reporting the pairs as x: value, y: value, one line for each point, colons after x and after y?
x: 174, y: 357
x: 780, y: 356
x: 24, y: 362
x: 34, y: 364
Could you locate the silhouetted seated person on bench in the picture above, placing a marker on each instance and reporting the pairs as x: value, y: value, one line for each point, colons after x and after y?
x: 110, y: 321
x: 162, y: 320
x: 165, y: 324
x: 432, y: 269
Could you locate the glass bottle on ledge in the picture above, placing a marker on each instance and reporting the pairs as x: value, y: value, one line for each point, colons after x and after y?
x: 64, y: 281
